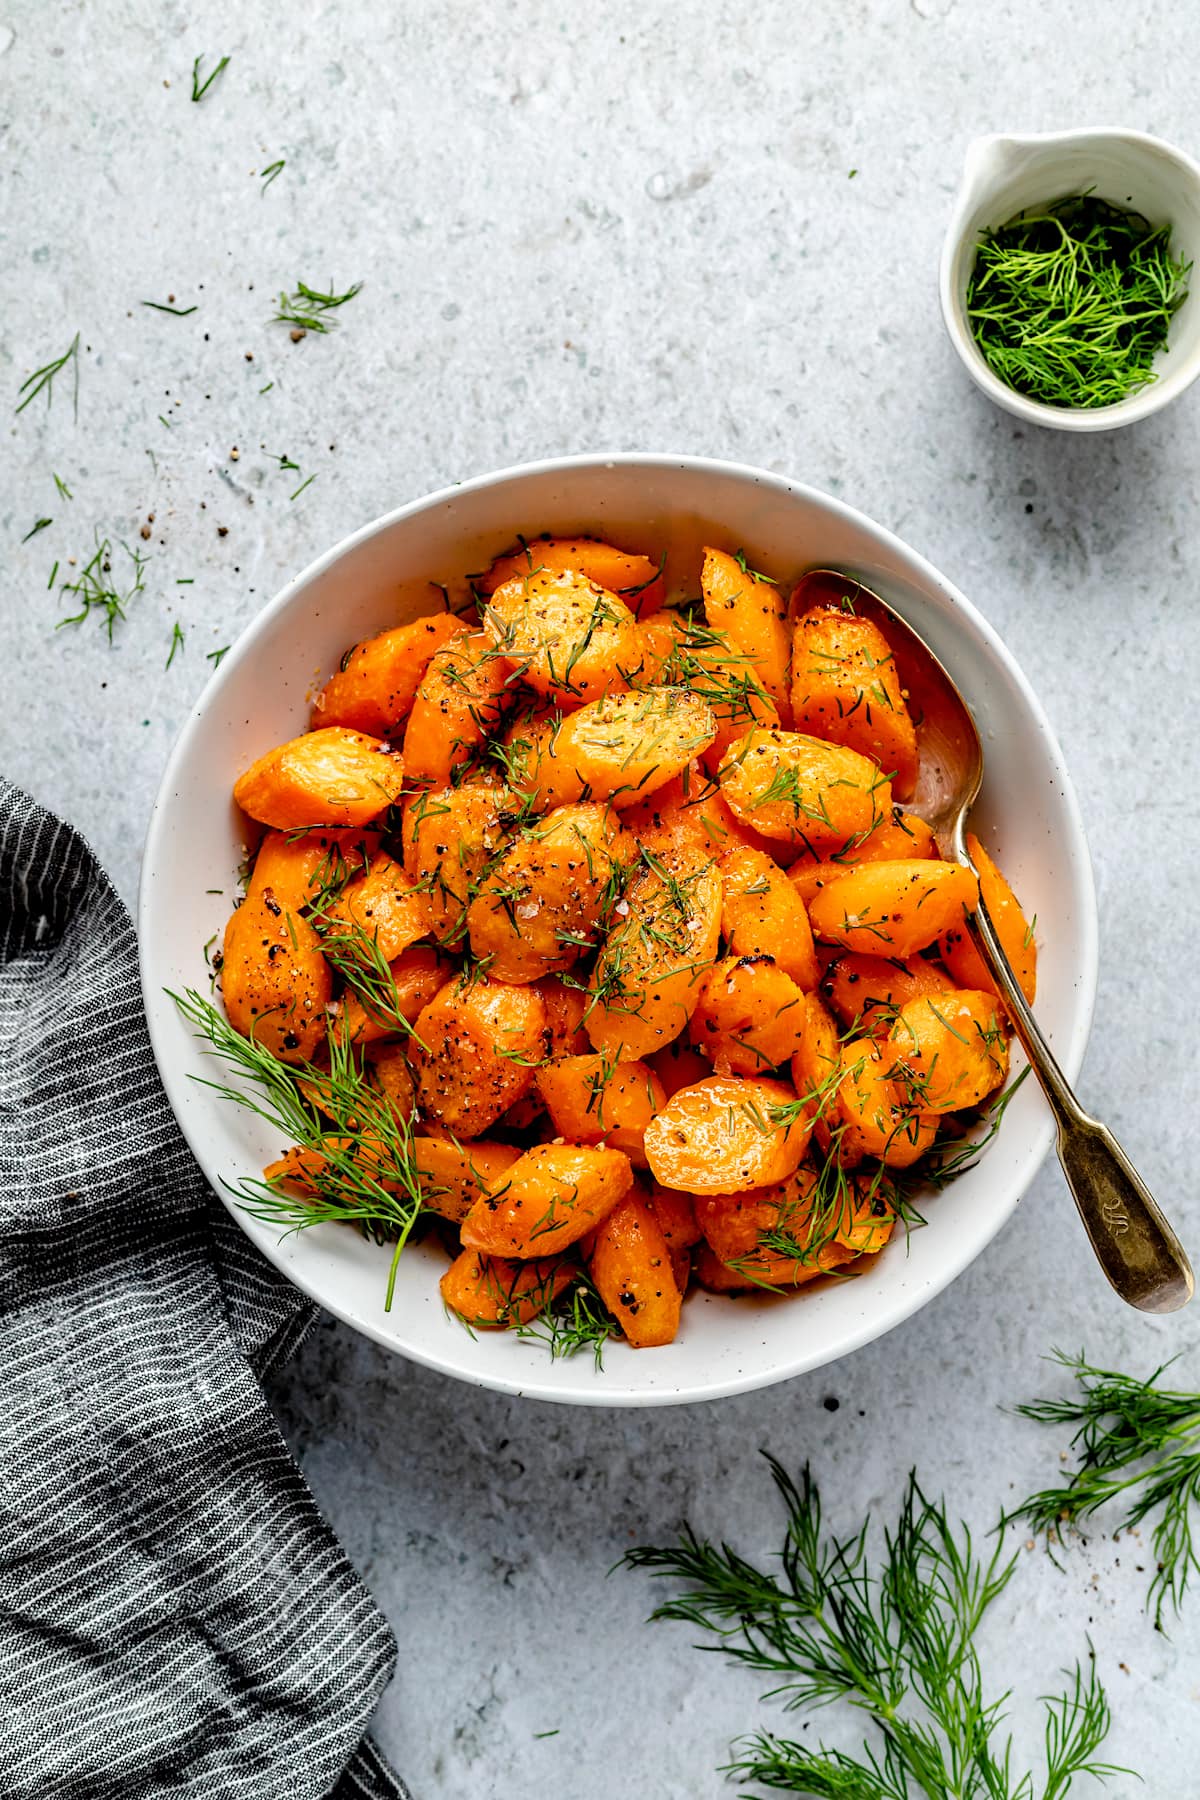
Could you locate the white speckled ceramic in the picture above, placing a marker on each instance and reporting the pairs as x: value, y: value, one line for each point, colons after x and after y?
x: 1004, y: 175
x: 381, y: 574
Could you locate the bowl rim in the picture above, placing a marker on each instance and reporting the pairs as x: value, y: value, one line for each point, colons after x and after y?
x: 1069, y: 1052
x: 1140, y: 405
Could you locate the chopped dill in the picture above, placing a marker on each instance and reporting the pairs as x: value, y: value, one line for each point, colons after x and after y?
x: 96, y: 591
x: 62, y: 487
x: 179, y: 312
x: 177, y: 642
x: 271, y: 173
x: 739, y: 557
x: 308, y: 308
x: 216, y: 657
x: 307, y: 482
x: 42, y: 380
x: 1070, y: 303
x: 38, y: 525
x: 200, y: 88
x: 363, y: 1170
x: 1138, y: 1443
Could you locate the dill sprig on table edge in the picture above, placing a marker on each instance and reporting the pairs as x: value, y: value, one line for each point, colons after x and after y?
x: 894, y: 1638
x: 1070, y: 303
x: 1134, y: 1440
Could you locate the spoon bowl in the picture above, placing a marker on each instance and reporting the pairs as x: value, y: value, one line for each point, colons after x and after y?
x: 1134, y: 1245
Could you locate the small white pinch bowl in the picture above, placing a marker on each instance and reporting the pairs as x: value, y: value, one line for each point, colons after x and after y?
x: 379, y: 576
x: 1005, y: 175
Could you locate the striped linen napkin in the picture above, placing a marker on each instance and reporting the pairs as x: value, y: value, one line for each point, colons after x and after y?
x: 176, y: 1618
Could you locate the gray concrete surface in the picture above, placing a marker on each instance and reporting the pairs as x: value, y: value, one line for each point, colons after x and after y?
x: 698, y: 227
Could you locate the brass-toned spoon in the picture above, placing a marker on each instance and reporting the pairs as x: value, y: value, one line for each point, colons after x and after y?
x: 1135, y: 1246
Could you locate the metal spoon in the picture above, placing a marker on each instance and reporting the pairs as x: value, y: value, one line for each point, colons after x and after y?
x: 1136, y: 1248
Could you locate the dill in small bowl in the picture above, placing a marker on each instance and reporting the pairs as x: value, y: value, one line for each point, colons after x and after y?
x: 1069, y: 303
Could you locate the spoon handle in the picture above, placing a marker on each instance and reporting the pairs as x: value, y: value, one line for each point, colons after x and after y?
x: 1134, y: 1245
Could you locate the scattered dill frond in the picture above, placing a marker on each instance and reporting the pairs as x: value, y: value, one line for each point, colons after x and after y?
x: 216, y: 657
x: 98, y: 593
x: 271, y: 173
x: 577, y: 1320
x: 180, y: 312
x: 63, y: 489
x: 177, y: 641
x: 308, y: 309
x: 367, y: 1174
x: 1137, y: 1442
x: 1070, y: 303
x: 200, y: 88
x: 893, y: 1637
x: 38, y: 525
x: 42, y: 380
x: 307, y: 482
x: 355, y: 955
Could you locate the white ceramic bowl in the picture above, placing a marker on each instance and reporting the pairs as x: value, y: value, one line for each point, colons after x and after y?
x: 380, y: 575
x: 1004, y: 175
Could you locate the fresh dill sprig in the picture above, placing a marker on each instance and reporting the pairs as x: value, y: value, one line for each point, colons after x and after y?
x: 308, y: 308
x: 577, y: 1320
x: 895, y: 1640
x: 200, y: 88
x: 43, y: 378
x: 98, y: 593
x: 1070, y: 303
x: 1137, y: 1442
x: 364, y: 1172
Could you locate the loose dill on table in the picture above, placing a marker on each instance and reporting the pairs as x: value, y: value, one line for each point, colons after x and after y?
x: 1137, y: 1445
x: 1070, y: 303
x: 308, y: 309
x: 890, y: 1630
x: 98, y: 593
x: 42, y: 380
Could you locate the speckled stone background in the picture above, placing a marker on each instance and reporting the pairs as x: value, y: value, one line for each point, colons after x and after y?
x: 707, y: 228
